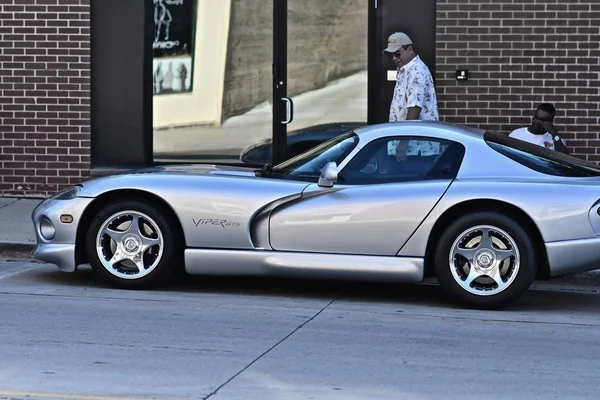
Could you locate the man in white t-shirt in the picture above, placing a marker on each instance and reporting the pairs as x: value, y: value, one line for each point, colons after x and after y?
x: 542, y: 131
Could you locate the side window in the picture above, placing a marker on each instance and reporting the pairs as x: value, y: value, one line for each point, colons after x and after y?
x: 404, y: 159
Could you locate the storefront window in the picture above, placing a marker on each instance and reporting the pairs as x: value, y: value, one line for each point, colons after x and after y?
x: 223, y: 106
x: 174, y: 23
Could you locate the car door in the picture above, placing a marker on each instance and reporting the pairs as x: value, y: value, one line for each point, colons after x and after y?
x: 380, y: 200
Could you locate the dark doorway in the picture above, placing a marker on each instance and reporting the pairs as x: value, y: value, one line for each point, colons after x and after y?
x: 416, y: 18
x: 121, y: 85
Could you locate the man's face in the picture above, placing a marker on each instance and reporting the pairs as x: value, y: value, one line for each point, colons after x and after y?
x: 402, y: 56
x: 540, y: 117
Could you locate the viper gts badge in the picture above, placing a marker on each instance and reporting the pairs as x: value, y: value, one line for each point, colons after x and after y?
x: 217, y: 222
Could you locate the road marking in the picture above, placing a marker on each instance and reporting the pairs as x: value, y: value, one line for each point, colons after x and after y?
x: 11, y: 394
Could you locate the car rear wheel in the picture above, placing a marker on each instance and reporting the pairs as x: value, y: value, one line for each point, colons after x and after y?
x: 132, y: 244
x: 485, y: 260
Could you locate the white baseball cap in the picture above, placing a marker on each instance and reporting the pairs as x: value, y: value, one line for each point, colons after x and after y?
x: 396, y: 41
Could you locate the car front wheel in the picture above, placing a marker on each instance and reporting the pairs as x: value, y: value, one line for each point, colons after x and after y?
x: 132, y: 244
x: 485, y: 260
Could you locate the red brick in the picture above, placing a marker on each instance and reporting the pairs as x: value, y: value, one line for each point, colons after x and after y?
x: 44, y: 43
x: 555, y: 41
x: 521, y: 54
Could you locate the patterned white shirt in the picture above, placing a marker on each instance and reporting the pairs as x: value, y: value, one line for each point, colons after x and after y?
x: 414, y: 87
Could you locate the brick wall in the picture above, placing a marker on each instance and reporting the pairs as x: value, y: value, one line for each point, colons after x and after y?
x: 44, y: 95
x: 518, y: 54
x: 521, y: 53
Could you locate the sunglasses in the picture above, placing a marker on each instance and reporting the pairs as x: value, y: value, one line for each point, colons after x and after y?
x: 398, y: 53
x: 542, y: 119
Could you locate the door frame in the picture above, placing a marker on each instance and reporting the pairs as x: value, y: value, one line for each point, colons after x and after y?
x: 280, y: 10
x: 283, y: 106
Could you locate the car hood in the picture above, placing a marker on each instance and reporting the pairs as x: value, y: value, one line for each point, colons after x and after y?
x: 205, y: 177
x: 195, y: 169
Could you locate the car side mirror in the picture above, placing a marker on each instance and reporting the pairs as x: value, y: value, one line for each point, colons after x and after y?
x: 329, y: 175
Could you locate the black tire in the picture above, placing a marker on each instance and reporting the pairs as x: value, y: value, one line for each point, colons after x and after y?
x: 166, y: 263
x: 521, y: 282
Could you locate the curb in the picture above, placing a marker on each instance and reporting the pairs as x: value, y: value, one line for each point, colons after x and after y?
x: 16, y: 251
x: 584, y: 279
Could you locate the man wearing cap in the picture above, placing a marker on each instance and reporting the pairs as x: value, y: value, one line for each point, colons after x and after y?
x: 414, y: 95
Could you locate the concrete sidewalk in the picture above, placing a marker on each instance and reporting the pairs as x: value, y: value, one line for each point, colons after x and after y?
x: 15, y: 221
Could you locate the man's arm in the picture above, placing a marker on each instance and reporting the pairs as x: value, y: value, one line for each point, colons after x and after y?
x: 558, y: 144
x: 413, y: 113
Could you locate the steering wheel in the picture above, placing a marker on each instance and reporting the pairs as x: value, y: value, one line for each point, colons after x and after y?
x: 370, y: 166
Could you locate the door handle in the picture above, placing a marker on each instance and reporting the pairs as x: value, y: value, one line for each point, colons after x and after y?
x: 289, y: 110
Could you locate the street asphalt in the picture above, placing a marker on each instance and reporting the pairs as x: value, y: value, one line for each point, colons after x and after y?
x: 64, y: 336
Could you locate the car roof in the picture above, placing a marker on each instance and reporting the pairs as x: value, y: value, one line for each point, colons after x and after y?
x: 437, y: 129
x: 480, y: 160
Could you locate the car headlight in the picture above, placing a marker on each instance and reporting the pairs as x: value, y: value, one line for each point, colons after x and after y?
x: 47, y: 229
x: 67, y: 194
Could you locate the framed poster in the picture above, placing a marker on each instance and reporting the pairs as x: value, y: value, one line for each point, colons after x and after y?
x: 173, y: 46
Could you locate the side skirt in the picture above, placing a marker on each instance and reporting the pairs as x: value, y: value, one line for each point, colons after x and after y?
x: 303, y: 265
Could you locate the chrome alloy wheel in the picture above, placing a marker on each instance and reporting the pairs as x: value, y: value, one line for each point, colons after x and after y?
x: 484, y: 260
x: 129, y: 244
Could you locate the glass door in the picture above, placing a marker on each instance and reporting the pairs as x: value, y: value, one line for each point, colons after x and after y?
x: 320, y: 72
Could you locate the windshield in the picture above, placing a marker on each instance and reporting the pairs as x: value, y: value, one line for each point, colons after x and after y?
x: 311, y: 162
x: 541, y: 159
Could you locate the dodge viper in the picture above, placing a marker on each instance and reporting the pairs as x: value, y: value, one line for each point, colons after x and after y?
x: 483, y: 213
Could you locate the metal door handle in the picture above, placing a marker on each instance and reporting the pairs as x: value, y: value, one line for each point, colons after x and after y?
x: 289, y: 110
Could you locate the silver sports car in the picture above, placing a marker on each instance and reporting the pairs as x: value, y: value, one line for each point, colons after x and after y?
x: 401, y: 202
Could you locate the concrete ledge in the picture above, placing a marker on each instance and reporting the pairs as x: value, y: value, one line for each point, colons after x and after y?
x: 15, y: 220
x: 16, y: 252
